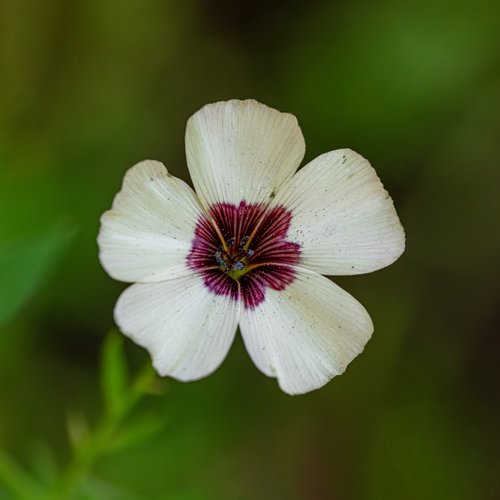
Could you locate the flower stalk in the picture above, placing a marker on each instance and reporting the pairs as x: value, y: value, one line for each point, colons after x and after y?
x: 120, y: 398
x: 103, y: 439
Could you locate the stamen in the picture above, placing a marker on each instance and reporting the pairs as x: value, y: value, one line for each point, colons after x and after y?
x: 219, y: 260
x: 229, y: 260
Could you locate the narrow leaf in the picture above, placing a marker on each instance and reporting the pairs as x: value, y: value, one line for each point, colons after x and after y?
x: 138, y: 430
x: 25, y: 263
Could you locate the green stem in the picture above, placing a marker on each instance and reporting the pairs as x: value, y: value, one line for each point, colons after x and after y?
x: 100, y: 440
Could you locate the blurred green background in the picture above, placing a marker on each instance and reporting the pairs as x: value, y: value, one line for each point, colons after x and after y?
x: 90, y: 87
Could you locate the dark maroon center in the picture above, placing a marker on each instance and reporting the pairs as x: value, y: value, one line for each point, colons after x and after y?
x: 242, y: 250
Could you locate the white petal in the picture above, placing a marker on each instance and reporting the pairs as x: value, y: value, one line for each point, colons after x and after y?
x: 148, y: 232
x: 242, y: 150
x: 187, y: 329
x: 306, y: 334
x: 343, y: 218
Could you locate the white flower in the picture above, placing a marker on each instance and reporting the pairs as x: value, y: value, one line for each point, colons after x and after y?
x: 249, y: 248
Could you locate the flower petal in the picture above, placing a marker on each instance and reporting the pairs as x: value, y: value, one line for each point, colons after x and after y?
x: 306, y: 334
x: 187, y: 329
x: 343, y: 218
x: 147, y: 234
x: 242, y: 150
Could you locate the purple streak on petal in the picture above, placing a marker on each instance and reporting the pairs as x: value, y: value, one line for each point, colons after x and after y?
x: 220, y: 283
x: 254, y: 284
x: 236, y: 222
x: 205, y: 246
x: 269, y: 244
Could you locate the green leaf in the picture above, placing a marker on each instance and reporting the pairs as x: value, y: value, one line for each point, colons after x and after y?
x: 114, y: 372
x: 17, y: 480
x: 138, y: 430
x: 25, y: 263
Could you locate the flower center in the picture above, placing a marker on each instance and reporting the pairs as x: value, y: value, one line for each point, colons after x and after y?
x: 234, y: 259
x: 242, y: 250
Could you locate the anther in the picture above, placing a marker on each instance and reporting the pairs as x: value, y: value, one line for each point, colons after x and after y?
x: 219, y: 259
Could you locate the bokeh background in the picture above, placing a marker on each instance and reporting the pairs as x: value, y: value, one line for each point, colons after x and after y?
x: 90, y: 87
